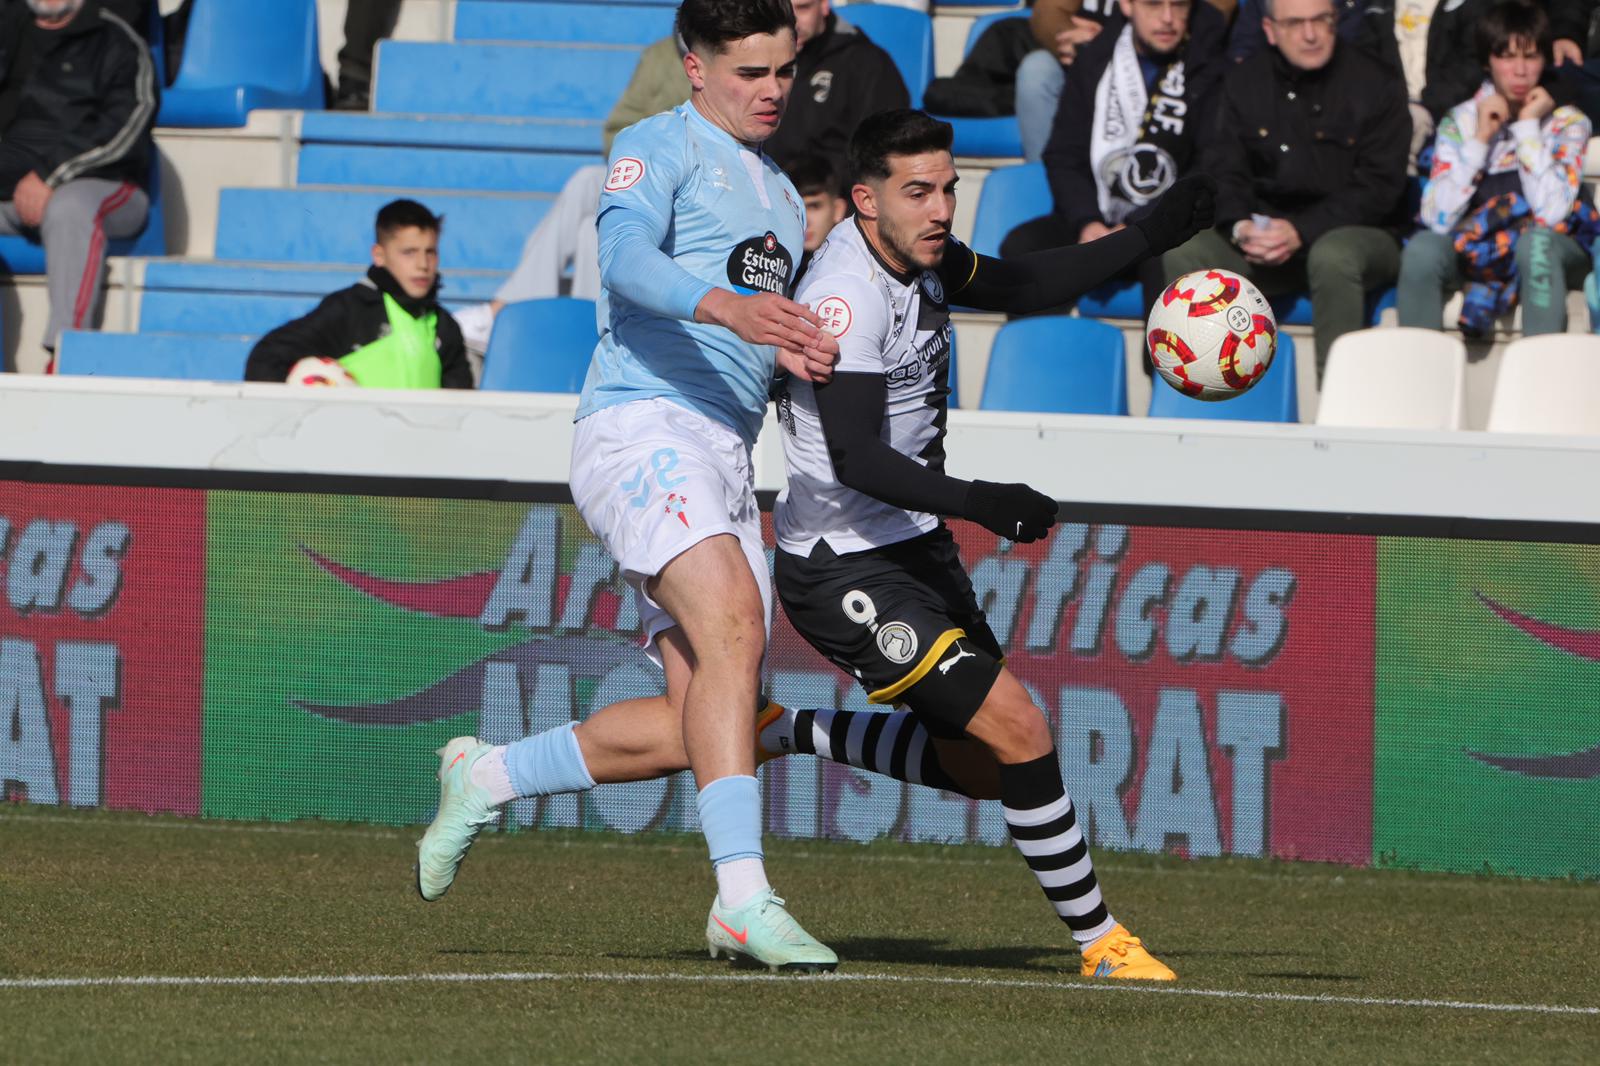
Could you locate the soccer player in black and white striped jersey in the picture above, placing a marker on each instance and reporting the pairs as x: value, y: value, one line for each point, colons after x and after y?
x: 866, y: 569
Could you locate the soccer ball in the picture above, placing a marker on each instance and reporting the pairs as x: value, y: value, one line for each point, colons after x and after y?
x: 320, y: 370
x: 1212, y: 335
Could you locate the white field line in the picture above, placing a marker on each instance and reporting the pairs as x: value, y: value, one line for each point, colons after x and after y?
x: 850, y: 978
x: 1003, y: 857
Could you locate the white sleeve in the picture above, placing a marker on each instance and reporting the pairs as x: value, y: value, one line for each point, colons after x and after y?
x: 856, y: 313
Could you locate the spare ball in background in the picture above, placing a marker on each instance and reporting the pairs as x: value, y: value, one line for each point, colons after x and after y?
x: 320, y: 370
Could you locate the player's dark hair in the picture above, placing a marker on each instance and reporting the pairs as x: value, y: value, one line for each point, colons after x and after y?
x: 711, y: 24
x: 814, y: 175
x: 1513, y: 20
x: 903, y: 131
x: 398, y: 214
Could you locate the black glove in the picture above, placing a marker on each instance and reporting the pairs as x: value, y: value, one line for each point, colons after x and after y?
x: 1188, y: 207
x: 1015, y: 512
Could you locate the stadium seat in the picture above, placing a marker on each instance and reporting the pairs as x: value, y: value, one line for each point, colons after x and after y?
x: 905, y: 34
x: 295, y: 279
x: 482, y: 230
x: 541, y: 346
x: 219, y: 312
x: 183, y: 356
x: 454, y: 131
x: 445, y: 78
x: 1057, y: 364
x: 1395, y: 379
x: 411, y: 167
x: 1275, y: 398
x: 572, y: 22
x: 987, y: 137
x: 1548, y: 384
x: 239, y: 57
x: 1011, y: 196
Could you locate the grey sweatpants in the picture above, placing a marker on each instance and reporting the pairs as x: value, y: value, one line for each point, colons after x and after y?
x: 81, y: 216
x: 564, y: 235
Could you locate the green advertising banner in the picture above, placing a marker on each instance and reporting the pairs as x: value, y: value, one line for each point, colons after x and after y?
x: 1487, y: 744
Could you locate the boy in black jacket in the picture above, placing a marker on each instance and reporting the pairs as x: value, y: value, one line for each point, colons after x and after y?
x: 387, y: 331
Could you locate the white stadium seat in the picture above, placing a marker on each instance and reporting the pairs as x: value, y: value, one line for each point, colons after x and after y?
x: 1548, y: 384
x: 1395, y: 379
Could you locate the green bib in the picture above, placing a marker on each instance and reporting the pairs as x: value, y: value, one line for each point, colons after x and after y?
x: 405, y: 359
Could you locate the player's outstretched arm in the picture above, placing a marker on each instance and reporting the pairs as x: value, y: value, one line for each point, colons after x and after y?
x: 851, y: 411
x: 1059, y: 276
x: 766, y: 318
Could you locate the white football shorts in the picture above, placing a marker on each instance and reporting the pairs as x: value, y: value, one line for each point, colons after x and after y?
x: 653, y: 479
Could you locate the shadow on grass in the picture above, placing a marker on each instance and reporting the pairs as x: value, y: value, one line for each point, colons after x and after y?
x: 914, y: 952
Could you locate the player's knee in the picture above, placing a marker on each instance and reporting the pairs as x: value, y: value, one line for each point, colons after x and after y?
x: 1013, y: 728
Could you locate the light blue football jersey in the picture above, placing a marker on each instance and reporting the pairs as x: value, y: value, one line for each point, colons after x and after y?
x: 727, y: 216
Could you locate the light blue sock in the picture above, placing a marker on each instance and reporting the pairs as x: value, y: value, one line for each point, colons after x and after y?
x: 549, y: 762
x: 730, y: 818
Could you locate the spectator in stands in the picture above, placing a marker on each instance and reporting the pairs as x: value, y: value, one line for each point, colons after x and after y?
x: 1128, y: 123
x: 1570, y: 21
x: 366, y: 22
x: 1499, y: 203
x: 1249, y: 37
x: 78, y: 95
x: 1062, y: 29
x: 985, y: 84
x: 822, y: 192
x: 1308, y: 146
x: 840, y: 78
x: 1431, y: 44
x: 388, y: 331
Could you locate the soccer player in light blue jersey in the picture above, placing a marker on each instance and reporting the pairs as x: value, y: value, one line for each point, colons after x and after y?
x: 700, y: 235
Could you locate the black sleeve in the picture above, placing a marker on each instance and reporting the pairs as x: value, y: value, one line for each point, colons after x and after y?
x: 851, y: 410
x: 1066, y: 153
x: 1040, y: 280
x: 324, y: 331
x: 454, y: 370
x: 1222, y: 153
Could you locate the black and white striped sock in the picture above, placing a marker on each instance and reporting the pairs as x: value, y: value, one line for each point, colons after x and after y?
x: 894, y: 744
x: 1045, y: 829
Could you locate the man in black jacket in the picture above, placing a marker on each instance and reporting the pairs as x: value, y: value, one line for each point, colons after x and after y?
x: 1127, y: 124
x: 1308, y: 146
x: 840, y: 78
x: 1433, y: 48
x: 388, y: 330
x: 77, y: 100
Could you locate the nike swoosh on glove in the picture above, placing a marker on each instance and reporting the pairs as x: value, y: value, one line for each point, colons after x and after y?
x: 1013, y: 511
x: 1188, y: 207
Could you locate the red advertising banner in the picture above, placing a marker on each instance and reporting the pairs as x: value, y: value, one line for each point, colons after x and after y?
x: 1211, y: 692
x: 101, y: 645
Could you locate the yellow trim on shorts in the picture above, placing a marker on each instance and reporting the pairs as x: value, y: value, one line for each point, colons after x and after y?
x: 890, y: 693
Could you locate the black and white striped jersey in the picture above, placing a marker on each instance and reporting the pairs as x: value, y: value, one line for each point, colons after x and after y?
x: 886, y: 323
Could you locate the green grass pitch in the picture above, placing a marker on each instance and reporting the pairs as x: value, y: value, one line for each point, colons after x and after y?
x: 593, y: 951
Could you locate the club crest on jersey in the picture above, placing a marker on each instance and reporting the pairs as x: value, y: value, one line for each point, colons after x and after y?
x: 760, y: 264
x: 897, y: 641
x: 625, y: 174
x: 932, y: 286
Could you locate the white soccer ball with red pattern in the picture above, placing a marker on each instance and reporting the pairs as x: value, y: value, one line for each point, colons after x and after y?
x: 1212, y: 335
x: 320, y: 370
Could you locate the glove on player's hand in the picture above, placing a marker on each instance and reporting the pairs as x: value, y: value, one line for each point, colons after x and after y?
x: 1015, y: 512
x: 1188, y: 207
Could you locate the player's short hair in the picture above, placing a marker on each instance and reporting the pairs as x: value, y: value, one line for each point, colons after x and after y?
x: 711, y: 24
x: 904, y: 131
x: 814, y: 175
x: 1512, y: 20
x: 398, y: 214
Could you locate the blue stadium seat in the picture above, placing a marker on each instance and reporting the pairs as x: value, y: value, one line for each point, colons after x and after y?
x: 905, y: 34
x: 238, y: 313
x: 433, y: 78
x: 580, y: 22
x: 1275, y: 398
x: 541, y: 346
x: 185, y: 356
x: 438, y: 168
x: 1057, y: 364
x: 482, y: 230
x: 241, y: 56
x: 294, y: 279
x: 987, y: 137
x: 19, y: 255
x: 453, y: 131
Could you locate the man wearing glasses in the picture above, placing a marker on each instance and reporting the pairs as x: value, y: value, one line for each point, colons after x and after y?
x: 1308, y: 146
